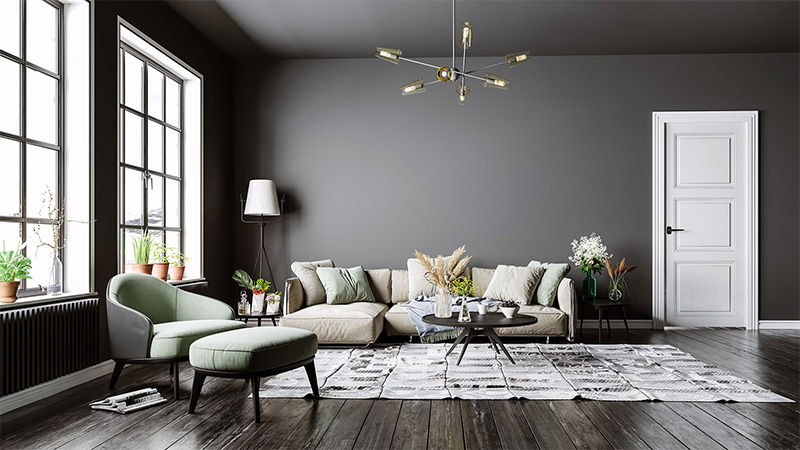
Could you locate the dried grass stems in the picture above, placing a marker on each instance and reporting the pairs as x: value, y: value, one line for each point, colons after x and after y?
x: 57, y: 217
x: 435, y: 271
x: 619, y: 272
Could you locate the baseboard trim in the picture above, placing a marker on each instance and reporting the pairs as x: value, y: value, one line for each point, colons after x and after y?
x: 33, y: 394
x: 779, y: 324
x: 637, y: 324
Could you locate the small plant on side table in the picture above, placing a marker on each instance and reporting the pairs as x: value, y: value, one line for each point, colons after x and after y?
x: 14, y: 267
x: 258, y: 287
x: 617, y: 287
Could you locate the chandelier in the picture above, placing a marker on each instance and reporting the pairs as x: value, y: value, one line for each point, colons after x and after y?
x: 452, y: 73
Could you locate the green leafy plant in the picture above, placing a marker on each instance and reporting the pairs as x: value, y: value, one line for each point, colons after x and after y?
x: 141, y: 247
x: 176, y: 258
x: 13, y: 264
x: 160, y: 252
x: 262, y: 286
x: 243, y: 279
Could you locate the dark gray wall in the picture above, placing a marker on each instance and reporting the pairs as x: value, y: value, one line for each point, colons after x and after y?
x: 161, y: 23
x: 515, y: 175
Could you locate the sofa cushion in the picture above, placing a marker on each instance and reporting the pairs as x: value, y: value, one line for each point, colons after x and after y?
x: 398, y: 323
x: 344, y: 286
x: 354, y: 323
x: 552, y: 322
x: 307, y: 273
x: 514, y: 283
x: 380, y: 281
x: 254, y: 349
x: 399, y: 286
x: 548, y: 287
x: 172, y: 339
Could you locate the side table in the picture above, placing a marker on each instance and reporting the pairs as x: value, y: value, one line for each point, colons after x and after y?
x: 258, y: 317
x: 602, y: 305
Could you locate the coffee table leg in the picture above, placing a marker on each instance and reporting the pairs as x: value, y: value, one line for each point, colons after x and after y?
x: 494, y: 337
x: 464, y: 348
x: 460, y: 337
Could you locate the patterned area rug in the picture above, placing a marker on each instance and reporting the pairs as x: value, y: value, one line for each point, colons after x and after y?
x: 542, y: 372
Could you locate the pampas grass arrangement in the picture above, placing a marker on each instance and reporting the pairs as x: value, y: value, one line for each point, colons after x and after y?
x: 440, y: 275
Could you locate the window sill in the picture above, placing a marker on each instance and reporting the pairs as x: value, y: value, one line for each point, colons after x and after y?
x: 39, y: 300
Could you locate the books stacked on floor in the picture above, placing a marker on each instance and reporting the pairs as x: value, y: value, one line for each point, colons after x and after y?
x: 132, y: 401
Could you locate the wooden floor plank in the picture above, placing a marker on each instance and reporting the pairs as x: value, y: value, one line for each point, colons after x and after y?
x: 717, y: 430
x: 509, y: 421
x: 579, y: 428
x: 272, y: 431
x: 446, y: 430
x: 480, y: 431
x: 681, y: 429
x: 617, y: 432
x: 379, y: 426
x: 310, y: 430
x: 545, y: 426
x: 748, y: 428
x: 784, y: 422
x: 650, y: 431
x: 346, y: 426
x: 411, y: 431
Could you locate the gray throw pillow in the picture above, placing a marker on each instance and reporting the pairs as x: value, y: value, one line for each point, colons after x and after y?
x: 514, y: 284
x: 307, y: 273
x: 548, y: 287
x: 344, y: 286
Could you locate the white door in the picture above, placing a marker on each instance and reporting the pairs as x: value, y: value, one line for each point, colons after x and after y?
x: 707, y: 231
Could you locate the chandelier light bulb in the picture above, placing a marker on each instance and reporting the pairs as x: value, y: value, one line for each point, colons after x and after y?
x: 495, y: 82
x: 462, y: 90
x: 516, y: 58
x: 465, y: 40
x: 415, y: 87
x: 391, y: 55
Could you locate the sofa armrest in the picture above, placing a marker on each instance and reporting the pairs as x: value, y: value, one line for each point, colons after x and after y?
x: 129, y: 331
x: 568, y: 302
x: 191, y: 306
x: 293, y: 295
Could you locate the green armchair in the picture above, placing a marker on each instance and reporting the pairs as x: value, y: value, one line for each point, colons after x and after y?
x: 153, y: 322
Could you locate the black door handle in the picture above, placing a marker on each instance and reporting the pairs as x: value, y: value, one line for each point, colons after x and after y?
x: 670, y: 229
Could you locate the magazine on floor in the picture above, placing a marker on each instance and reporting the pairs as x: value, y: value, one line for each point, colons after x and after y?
x: 132, y: 401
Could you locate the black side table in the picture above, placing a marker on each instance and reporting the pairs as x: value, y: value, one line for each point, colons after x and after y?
x: 602, y: 305
x: 258, y: 317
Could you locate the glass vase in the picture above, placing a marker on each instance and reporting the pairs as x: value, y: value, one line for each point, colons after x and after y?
x: 589, y: 286
x: 443, y: 304
x: 614, y: 291
x: 55, y: 282
x: 463, y: 311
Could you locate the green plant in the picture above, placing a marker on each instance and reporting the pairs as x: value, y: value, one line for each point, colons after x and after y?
x: 176, y: 258
x: 13, y: 264
x: 141, y: 247
x: 160, y: 252
x: 243, y: 279
x: 463, y: 286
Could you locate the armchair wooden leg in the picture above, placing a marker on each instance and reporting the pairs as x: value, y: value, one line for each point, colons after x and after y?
x: 197, y: 386
x: 118, y: 366
x: 173, y: 368
x: 312, y: 378
x: 256, y: 403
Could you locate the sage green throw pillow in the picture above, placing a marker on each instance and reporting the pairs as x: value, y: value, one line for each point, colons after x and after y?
x: 344, y: 286
x: 548, y: 287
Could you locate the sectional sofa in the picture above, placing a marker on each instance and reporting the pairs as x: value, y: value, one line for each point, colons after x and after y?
x: 361, y: 323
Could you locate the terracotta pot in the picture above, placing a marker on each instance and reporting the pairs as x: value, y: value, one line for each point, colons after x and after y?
x: 8, y: 291
x: 176, y: 272
x: 160, y: 270
x: 139, y: 268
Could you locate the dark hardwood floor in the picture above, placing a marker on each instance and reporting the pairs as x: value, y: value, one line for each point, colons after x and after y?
x: 224, y: 417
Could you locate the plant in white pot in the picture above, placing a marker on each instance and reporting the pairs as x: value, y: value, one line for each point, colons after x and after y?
x: 177, y: 262
x: 273, y: 303
x: 258, y: 287
x: 14, y: 267
x: 141, y: 253
x: 509, y: 309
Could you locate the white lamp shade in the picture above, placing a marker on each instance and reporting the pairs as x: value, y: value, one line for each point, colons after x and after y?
x: 262, y: 199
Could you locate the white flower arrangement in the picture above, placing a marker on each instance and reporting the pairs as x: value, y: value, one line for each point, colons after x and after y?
x: 589, y: 254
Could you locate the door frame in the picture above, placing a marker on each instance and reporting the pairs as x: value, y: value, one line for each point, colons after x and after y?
x: 660, y: 120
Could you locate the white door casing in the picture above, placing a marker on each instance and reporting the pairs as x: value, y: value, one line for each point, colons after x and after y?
x: 705, y: 167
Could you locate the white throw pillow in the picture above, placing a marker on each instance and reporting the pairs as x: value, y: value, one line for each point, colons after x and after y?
x: 417, y: 284
x: 307, y: 273
x: 514, y: 284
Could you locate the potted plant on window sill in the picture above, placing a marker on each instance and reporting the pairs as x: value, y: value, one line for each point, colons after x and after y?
x: 14, y: 267
x: 178, y: 264
x: 160, y: 261
x: 141, y: 254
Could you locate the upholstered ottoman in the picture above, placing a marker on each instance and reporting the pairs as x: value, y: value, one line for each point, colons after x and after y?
x: 252, y: 353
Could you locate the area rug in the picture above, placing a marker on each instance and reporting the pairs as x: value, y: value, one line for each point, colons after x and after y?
x: 542, y: 372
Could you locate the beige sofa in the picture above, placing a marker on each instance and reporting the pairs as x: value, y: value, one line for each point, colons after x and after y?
x: 362, y: 322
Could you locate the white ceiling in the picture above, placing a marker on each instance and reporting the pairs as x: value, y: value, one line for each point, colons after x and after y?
x: 353, y: 28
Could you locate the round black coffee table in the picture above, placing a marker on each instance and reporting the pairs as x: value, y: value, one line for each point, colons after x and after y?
x: 481, y: 325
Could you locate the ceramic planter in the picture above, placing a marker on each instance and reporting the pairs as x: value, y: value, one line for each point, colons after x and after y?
x: 176, y: 272
x: 139, y: 268
x: 160, y: 270
x: 8, y: 291
x: 258, y: 303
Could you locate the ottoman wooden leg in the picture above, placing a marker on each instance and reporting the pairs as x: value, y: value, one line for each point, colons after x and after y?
x: 197, y: 385
x: 256, y: 404
x: 312, y: 378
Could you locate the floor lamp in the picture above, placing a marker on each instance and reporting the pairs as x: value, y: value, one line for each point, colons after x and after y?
x: 262, y: 201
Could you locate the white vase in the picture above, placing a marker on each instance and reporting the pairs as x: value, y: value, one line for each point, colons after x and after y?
x: 509, y: 312
x: 258, y: 303
x: 273, y: 308
x: 443, y: 304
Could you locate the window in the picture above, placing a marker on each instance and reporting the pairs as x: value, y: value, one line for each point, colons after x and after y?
x: 31, y: 127
x: 160, y: 149
x: 151, y: 151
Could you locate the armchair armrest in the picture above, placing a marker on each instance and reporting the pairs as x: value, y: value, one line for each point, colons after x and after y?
x: 129, y: 331
x: 191, y: 306
x: 568, y: 302
x: 294, y: 295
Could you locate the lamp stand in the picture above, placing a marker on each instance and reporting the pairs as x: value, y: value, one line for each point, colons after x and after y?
x: 262, y: 249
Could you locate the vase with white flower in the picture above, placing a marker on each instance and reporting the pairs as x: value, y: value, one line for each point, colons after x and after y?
x: 442, y: 275
x: 588, y: 254
x: 617, y: 286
